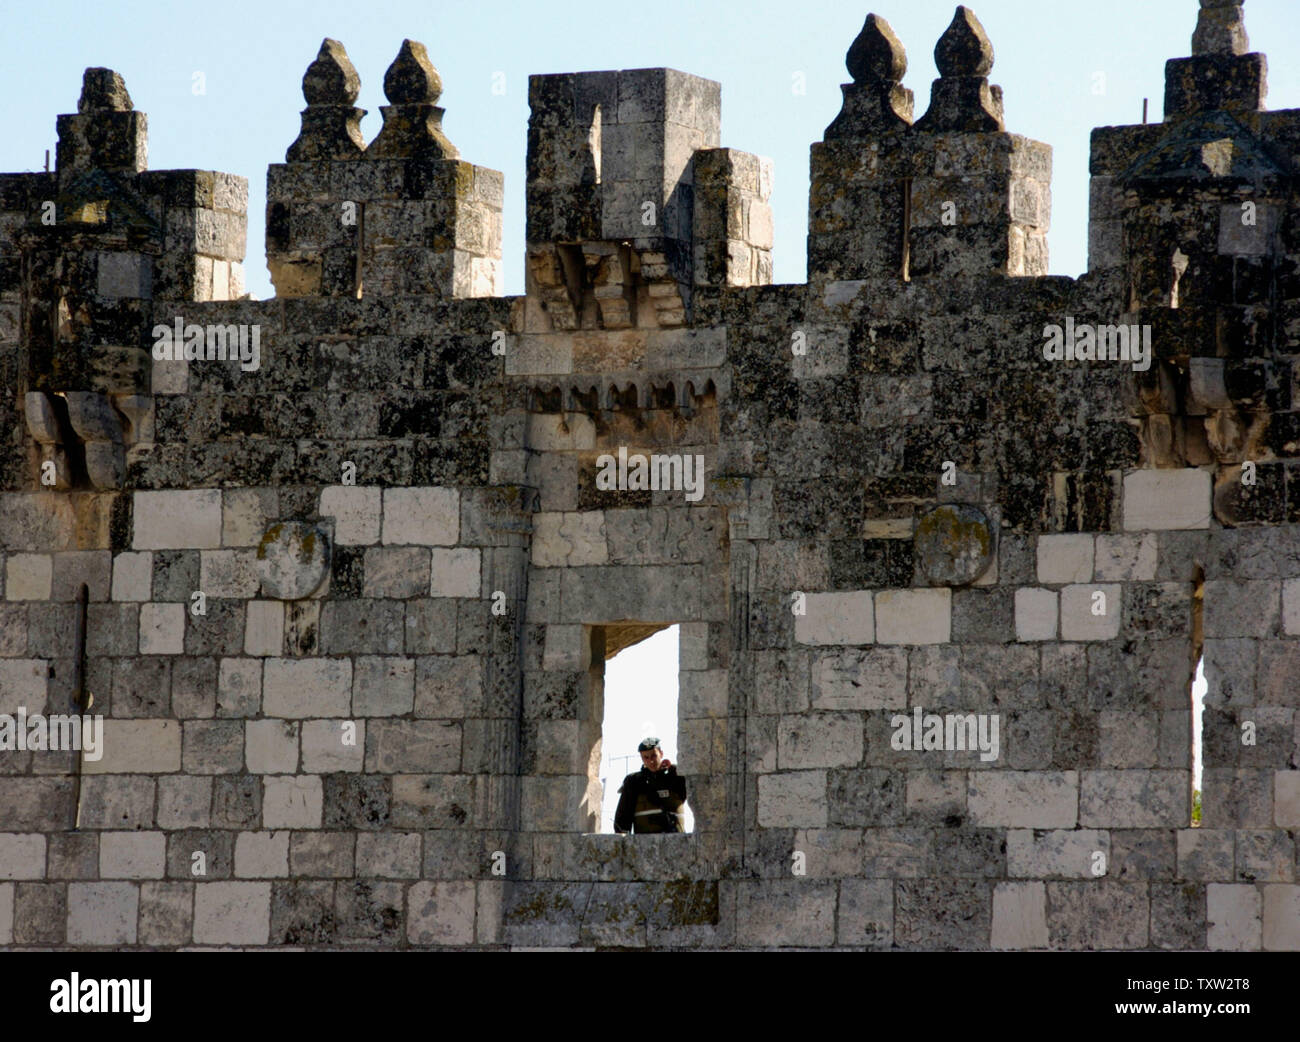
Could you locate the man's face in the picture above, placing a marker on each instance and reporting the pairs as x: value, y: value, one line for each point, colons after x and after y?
x: 652, y: 758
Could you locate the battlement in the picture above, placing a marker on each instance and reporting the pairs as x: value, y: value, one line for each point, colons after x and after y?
x: 341, y: 569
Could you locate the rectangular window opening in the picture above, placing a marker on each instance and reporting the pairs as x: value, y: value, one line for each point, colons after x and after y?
x: 640, y: 701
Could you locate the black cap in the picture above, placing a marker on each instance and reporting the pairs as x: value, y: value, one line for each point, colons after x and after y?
x: 647, y: 744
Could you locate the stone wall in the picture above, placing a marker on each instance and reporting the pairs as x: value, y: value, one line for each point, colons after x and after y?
x: 347, y: 608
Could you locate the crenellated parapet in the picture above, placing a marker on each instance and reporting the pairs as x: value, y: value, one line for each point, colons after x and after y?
x: 951, y: 194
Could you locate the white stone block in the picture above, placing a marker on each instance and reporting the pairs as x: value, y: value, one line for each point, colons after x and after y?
x: 1035, y: 614
x: 293, y: 801
x: 1055, y: 853
x: 1162, y: 500
x: 860, y: 679
x: 230, y: 574
x: 421, y: 516
x: 22, y: 855
x: 1126, y: 558
x: 29, y: 577
x: 455, y: 573
x: 1065, y: 558
x: 262, y: 855
x: 1023, y: 799
x: 569, y: 539
x: 333, y: 745
x: 807, y: 740
x: 133, y: 577
x: 162, y: 629
x: 356, y: 510
x: 232, y: 913
x: 271, y: 746
x: 138, y: 747
x: 793, y: 800
x: 836, y: 618
x: 1019, y: 916
x: 177, y: 520
x: 132, y: 855
x: 1233, y: 915
x: 567, y: 649
x: 24, y: 683
x: 441, y: 913
x: 914, y: 616
x: 1281, y: 927
x: 383, y: 685
x: 306, y: 687
x: 1091, y: 612
x: 264, y: 628
x: 244, y: 515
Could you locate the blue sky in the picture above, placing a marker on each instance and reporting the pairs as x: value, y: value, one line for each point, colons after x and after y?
x: 252, y: 57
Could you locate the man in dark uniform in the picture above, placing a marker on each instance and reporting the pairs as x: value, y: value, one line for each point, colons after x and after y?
x: 652, y: 799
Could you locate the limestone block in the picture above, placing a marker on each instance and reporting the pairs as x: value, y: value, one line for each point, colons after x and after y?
x: 7, y: 913
x: 383, y: 686
x: 1291, y: 607
x: 1126, y: 558
x: 836, y: 618
x: 271, y: 746
x: 1160, y: 500
x: 1233, y: 912
x: 569, y: 539
x: 228, y: 573
x: 132, y: 577
x: 786, y: 913
x: 245, y: 513
x: 29, y: 577
x: 1240, y: 608
x: 1036, y: 614
x: 298, y: 688
x: 264, y: 628
x: 567, y: 649
x: 232, y: 913
x: 1023, y: 799
x: 293, y: 560
x: 138, y: 747
x: 132, y: 855
x: 792, y: 800
x: 1135, y: 799
x: 1286, y: 799
x: 870, y: 678
x: 183, y: 802
x: 1065, y: 558
x: 261, y: 855
x: 1055, y: 854
x: 23, y: 682
x: 1091, y: 611
x: 914, y: 616
x: 1019, y: 916
x: 388, y: 855
x: 1281, y: 920
x: 292, y: 802
x: 819, y: 740
x: 102, y: 914
x: 398, y: 572
x: 702, y: 694
x: 408, y: 746
x: 357, y: 513
x: 22, y: 855
x: 455, y: 573
x: 239, y: 687
x: 421, y: 516
x: 177, y: 520
x: 162, y: 629
x: 866, y: 912
x: 440, y: 913
x: 333, y: 745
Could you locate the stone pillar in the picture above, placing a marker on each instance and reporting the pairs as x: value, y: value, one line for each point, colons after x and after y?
x: 1220, y: 74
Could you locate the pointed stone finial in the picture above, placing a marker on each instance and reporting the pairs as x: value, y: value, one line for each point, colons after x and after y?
x: 964, y: 48
x: 877, y: 54
x: 331, y: 124
x: 876, y: 101
x: 1221, y: 28
x: 101, y: 90
x: 412, y: 123
x: 412, y: 79
x: 961, y: 99
x: 331, y: 79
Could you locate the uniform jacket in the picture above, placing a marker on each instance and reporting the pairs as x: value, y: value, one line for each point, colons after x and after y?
x: 651, y: 801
